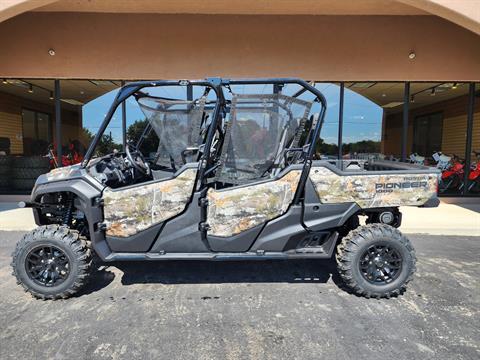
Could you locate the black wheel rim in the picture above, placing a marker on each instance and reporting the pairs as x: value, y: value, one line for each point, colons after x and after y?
x: 47, y: 265
x: 380, y: 264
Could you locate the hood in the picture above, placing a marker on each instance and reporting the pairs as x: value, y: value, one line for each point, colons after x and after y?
x: 62, y: 173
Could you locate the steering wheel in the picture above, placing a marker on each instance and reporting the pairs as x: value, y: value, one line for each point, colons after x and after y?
x: 137, y: 160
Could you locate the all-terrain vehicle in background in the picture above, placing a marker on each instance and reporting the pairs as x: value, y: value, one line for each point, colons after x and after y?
x: 233, y: 178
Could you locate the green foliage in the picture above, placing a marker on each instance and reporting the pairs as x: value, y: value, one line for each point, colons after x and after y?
x: 326, y: 149
x: 86, y: 137
x: 107, y: 145
x: 364, y: 146
x: 150, y: 143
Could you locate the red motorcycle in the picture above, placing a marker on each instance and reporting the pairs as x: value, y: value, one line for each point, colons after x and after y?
x: 474, y: 176
x: 452, y: 176
x: 71, y: 155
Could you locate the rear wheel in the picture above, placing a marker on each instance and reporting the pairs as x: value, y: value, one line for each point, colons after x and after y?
x: 52, y: 262
x: 376, y: 260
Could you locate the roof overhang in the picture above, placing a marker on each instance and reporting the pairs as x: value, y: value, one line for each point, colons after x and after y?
x: 465, y: 13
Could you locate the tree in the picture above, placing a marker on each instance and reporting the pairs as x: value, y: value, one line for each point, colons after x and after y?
x: 363, y: 146
x: 150, y: 143
x: 326, y: 149
x: 86, y: 137
x: 107, y: 145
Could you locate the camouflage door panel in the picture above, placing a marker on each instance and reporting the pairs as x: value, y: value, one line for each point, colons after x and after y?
x: 232, y: 211
x: 370, y: 191
x: 129, y: 211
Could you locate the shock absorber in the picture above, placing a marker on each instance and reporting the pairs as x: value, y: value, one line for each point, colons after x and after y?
x: 67, y: 216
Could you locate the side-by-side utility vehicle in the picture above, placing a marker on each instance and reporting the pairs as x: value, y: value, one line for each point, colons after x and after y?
x: 233, y: 175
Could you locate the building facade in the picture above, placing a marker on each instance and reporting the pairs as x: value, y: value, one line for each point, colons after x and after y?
x: 401, y: 77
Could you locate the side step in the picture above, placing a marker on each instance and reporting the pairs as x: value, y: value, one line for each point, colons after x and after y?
x: 318, y: 243
x: 323, y: 251
x: 259, y: 255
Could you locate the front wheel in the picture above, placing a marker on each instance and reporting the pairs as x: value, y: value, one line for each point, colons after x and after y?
x: 474, y: 186
x: 376, y: 260
x: 52, y: 262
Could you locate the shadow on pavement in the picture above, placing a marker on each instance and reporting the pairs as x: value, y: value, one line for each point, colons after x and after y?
x: 471, y: 207
x: 218, y: 272
x: 100, y: 279
x: 5, y: 206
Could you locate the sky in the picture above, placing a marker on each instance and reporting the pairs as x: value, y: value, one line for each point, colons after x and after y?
x: 362, y: 118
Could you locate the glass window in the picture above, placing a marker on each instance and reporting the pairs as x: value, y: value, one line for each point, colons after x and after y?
x: 371, y: 114
x: 100, y: 96
x: 327, y: 146
x: 43, y: 126
x: 79, y: 119
x: 36, y: 132
x: 437, y: 130
x: 427, y: 133
x: 28, y: 119
x: 26, y: 130
x: 112, y: 138
x: 26, y: 115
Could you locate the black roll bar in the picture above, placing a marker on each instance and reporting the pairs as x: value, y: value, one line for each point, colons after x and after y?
x: 216, y: 84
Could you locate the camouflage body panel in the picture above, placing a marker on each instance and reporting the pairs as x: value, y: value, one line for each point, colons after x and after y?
x: 126, y: 212
x: 370, y: 191
x: 232, y: 211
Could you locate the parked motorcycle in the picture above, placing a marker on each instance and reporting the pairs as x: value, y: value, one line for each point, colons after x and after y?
x: 417, y: 159
x: 73, y: 154
x: 473, y: 184
x: 452, y: 175
x: 442, y: 160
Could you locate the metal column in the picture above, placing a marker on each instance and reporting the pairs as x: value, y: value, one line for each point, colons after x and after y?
x: 406, y: 106
x: 124, y: 121
x: 58, y: 123
x: 189, y: 92
x: 340, y: 121
x: 468, y: 145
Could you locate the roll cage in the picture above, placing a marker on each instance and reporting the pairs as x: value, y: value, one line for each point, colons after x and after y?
x: 219, y: 85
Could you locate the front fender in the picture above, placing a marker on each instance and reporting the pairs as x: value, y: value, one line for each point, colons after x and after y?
x: 87, y: 194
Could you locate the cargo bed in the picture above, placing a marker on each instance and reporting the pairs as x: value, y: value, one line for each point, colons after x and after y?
x: 374, y: 184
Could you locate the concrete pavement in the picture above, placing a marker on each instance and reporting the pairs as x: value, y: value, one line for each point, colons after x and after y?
x: 250, y: 310
x: 12, y: 218
x: 446, y: 219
